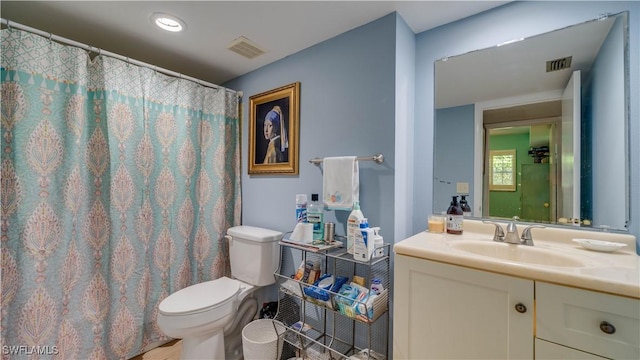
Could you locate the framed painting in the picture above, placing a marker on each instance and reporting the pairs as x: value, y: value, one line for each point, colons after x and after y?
x: 274, y: 120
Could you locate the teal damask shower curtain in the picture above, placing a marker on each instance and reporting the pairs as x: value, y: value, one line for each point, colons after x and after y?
x: 118, y: 185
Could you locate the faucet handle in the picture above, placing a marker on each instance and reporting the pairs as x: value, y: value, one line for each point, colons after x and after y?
x: 499, y: 234
x: 526, y: 237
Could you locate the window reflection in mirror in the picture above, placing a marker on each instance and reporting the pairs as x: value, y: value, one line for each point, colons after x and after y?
x: 560, y: 100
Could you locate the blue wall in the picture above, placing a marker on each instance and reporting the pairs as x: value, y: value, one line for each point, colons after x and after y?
x: 405, y: 114
x: 511, y: 21
x: 453, y: 154
x: 347, y: 107
x: 607, y: 150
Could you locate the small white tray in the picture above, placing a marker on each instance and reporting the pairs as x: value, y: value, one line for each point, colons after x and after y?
x: 599, y: 245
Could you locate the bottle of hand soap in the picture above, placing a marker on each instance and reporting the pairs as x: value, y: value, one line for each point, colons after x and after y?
x: 464, y: 204
x: 454, y: 217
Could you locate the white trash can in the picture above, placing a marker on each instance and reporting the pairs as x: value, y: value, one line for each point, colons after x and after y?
x: 263, y: 339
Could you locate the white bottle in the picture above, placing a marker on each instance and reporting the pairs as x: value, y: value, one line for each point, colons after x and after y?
x: 378, y: 243
x: 376, y: 286
x: 364, y: 246
x: 301, y: 208
x: 353, y: 226
x: 370, y: 240
x: 360, y: 246
x: 315, y: 216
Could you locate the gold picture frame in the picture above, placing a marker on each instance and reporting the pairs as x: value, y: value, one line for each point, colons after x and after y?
x: 274, y: 120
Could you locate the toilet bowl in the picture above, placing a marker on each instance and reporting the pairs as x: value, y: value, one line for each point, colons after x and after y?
x: 200, y: 313
x: 209, y: 316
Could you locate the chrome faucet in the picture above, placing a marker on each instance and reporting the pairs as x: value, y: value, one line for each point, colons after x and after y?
x: 511, y: 237
x: 512, y: 232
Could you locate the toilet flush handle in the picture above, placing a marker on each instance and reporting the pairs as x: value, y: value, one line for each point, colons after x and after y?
x: 229, y: 238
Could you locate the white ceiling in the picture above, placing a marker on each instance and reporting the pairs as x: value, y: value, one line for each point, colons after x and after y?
x: 282, y: 28
x: 491, y: 74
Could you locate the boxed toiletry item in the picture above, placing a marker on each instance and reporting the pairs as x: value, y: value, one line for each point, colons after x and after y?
x: 358, y: 280
x: 301, y: 327
x: 375, y: 306
x: 291, y: 287
x: 322, y: 290
x: 346, y: 298
x: 360, y: 303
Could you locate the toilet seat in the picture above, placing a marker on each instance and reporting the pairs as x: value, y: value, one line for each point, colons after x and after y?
x: 208, y: 296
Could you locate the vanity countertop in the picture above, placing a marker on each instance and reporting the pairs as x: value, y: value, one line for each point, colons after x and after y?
x: 615, y: 272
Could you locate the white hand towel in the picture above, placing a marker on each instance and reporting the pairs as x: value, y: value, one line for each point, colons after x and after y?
x: 341, y: 182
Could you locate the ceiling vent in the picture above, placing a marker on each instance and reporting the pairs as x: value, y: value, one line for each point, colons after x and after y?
x: 559, y: 64
x: 245, y: 47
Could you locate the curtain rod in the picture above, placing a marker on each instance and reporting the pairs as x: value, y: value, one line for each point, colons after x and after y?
x: 12, y: 24
x: 378, y: 158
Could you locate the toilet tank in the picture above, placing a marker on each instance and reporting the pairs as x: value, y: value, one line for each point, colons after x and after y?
x: 253, y: 253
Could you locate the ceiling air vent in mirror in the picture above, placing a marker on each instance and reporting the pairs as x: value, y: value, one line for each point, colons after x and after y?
x: 245, y: 47
x: 559, y: 64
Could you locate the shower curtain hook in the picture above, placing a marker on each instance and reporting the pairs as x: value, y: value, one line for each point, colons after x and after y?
x: 9, y: 25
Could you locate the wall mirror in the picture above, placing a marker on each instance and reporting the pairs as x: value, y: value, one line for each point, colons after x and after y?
x: 559, y: 102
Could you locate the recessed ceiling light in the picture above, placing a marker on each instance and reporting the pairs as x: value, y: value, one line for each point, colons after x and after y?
x: 168, y: 22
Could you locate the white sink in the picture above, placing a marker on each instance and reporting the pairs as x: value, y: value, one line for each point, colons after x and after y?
x: 517, y: 253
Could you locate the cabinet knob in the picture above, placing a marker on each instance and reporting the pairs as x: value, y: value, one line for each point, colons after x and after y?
x: 607, y: 328
x: 521, y: 308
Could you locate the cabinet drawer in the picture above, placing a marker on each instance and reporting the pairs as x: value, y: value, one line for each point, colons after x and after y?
x: 549, y: 351
x: 602, y: 324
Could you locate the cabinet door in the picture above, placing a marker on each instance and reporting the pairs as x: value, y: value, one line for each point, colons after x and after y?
x: 445, y: 311
x: 549, y: 351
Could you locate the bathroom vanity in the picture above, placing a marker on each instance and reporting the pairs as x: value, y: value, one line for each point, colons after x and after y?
x: 470, y: 297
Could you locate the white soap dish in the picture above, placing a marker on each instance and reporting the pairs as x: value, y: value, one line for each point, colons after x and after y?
x: 599, y: 245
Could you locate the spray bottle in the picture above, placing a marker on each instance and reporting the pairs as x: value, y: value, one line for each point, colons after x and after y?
x: 301, y: 208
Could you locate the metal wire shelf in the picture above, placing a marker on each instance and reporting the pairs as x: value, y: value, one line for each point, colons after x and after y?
x: 333, y: 328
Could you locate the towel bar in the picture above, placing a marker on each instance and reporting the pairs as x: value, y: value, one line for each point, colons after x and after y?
x: 378, y: 158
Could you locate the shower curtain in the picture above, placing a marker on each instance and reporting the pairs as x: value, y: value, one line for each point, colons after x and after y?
x: 118, y: 185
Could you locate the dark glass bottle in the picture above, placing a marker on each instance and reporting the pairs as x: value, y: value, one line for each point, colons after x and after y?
x: 466, y: 209
x: 454, y: 217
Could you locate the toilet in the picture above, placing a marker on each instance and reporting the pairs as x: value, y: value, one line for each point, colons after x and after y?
x: 209, y: 316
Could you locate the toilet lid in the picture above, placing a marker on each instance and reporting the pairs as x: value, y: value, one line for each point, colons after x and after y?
x: 200, y: 297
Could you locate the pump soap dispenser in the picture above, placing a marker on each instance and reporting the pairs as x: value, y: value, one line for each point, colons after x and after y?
x: 454, y: 217
x: 464, y: 204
